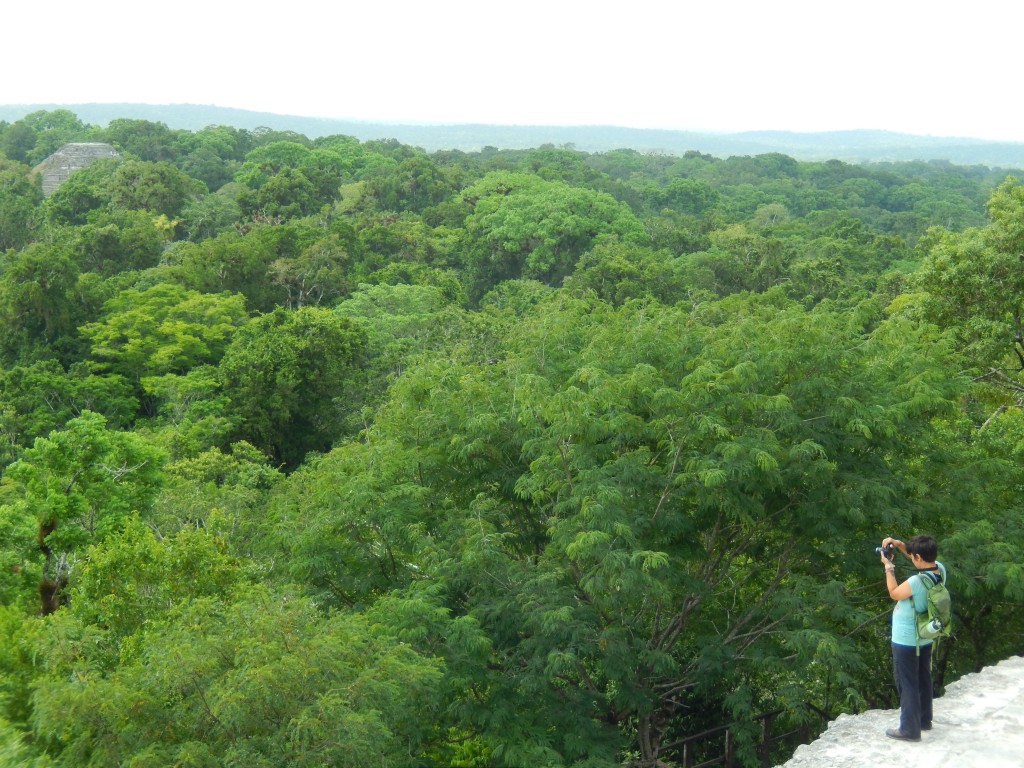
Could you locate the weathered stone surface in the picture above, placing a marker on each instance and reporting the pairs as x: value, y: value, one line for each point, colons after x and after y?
x: 978, y: 723
x: 57, y: 167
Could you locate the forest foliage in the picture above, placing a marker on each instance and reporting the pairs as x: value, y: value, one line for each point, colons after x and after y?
x: 328, y: 452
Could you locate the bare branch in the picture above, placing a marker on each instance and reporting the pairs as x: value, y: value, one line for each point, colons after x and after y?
x: 118, y: 472
x: 996, y: 412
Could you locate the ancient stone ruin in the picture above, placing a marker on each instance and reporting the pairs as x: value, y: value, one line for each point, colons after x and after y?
x: 57, y: 167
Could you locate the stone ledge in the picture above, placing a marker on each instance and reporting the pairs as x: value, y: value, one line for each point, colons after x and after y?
x: 978, y: 723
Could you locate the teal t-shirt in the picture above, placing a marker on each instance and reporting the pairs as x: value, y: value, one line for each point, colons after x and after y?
x: 904, y: 615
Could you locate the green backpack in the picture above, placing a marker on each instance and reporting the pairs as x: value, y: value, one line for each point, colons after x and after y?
x: 936, y: 622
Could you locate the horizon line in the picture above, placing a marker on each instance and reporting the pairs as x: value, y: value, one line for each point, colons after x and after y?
x: 471, y: 124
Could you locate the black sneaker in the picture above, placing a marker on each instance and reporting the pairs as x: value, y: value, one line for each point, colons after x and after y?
x: 896, y: 733
x: 926, y: 727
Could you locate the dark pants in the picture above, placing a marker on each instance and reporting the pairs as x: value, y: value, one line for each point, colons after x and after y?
x: 913, y: 674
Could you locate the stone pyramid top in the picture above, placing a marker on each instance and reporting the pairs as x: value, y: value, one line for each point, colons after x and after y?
x: 57, y: 167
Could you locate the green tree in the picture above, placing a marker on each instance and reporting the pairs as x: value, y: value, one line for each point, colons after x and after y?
x: 317, y: 275
x: 402, y: 323
x: 617, y: 272
x: 413, y: 185
x: 132, y: 577
x: 223, y: 492
x: 15, y: 752
x: 289, y: 374
x: 213, y: 154
x: 691, y: 196
x: 163, y: 329
x: 975, y: 288
x: 41, y: 397
x: 148, y: 141
x: 523, y: 227
x: 19, y: 200
x: 254, y: 678
x: 85, y: 190
x: 288, y: 194
x: 611, y: 493
x: 264, y: 162
x: 77, y: 487
x: 237, y: 262
x: 190, y: 412
x: 973, y: 475
x: 212, y: 214
x: 158, y: 187
x: 116, y: 241
x: 18, y: 141
x: 38, y: 305
x: 53, y: 129
x: 53, y: 120
x: 397, y: 241
x: 288, y: 179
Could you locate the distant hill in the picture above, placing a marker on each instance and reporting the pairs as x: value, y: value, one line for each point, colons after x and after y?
x: 851, y: 146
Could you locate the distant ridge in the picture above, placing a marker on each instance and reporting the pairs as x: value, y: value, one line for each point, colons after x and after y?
x: 854, y: 146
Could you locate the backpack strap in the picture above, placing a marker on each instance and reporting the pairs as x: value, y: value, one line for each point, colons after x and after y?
x: 929, y: 579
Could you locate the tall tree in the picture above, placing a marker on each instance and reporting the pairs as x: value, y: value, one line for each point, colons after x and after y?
x: 164, y: 329
x: 975, y: 288
x: 19, y: 200
x: 250, y: 678
x: 148, y: 141
x: 158, y: 187
x: 38, y: 304
x: 289, y: 374
x: 239, y: 262
x: 630, y: 504
x: 526, y: 228
x: 75, y: 488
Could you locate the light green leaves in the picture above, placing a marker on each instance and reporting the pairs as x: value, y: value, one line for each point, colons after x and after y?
x: 85, y: 480
x: 259, y: 678
x: 164, y: 329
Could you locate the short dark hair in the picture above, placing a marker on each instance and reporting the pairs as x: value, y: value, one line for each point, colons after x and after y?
x: 923, y: 545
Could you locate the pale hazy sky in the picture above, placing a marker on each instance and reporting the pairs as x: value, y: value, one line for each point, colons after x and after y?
x: 941, y: 68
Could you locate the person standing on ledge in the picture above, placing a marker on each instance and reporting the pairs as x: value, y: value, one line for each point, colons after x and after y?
x: 911, y: 657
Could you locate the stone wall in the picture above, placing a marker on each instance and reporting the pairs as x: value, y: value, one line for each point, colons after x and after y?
x: 57, y: 167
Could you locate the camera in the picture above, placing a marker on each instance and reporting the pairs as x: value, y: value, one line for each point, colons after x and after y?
x: 889, y: 551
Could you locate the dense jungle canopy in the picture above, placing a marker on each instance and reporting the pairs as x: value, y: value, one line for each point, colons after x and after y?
x: 329, y: 452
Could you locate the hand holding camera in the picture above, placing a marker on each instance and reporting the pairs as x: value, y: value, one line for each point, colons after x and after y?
x: 887, y: 551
